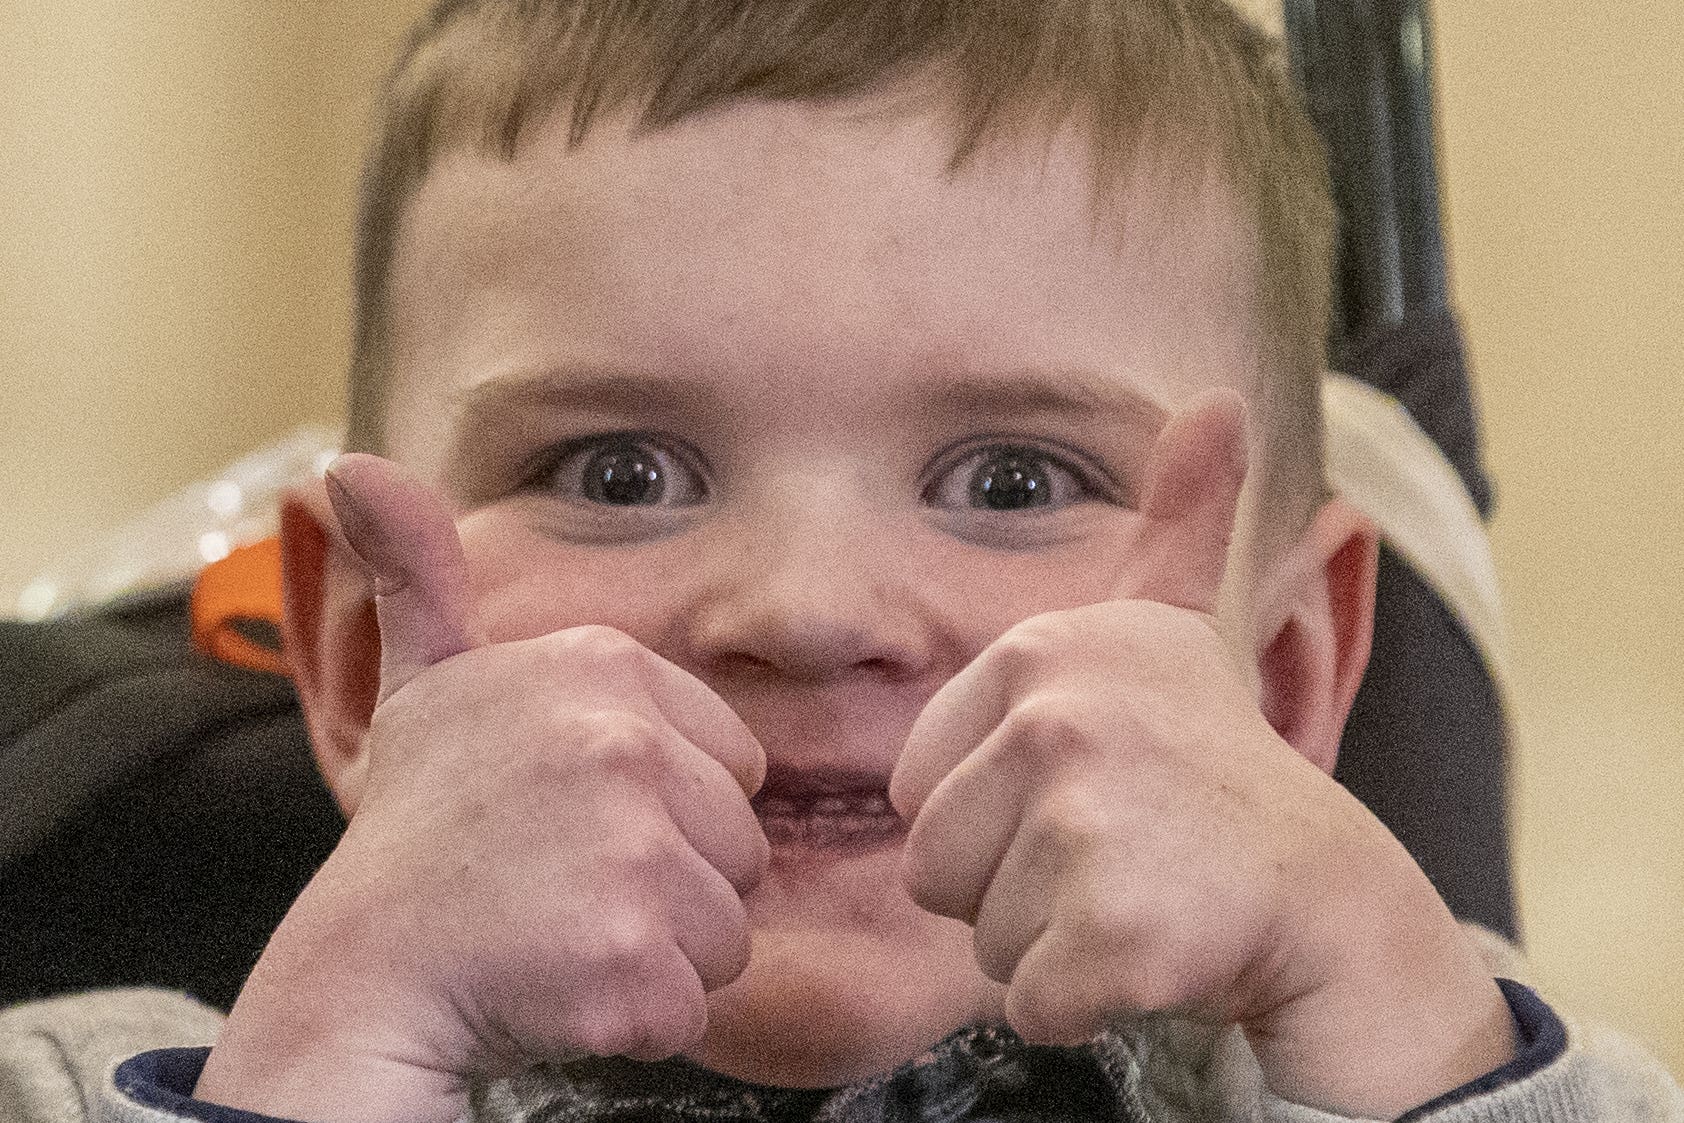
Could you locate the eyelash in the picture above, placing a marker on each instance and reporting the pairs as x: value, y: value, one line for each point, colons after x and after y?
x: 1095, y: 483
x: 550, y: 463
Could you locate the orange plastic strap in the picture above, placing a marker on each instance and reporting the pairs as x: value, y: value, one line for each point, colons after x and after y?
x: 244, y: 586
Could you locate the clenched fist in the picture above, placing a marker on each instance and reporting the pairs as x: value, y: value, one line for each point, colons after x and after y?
x: 1100, y: 795
x: 547, y: 858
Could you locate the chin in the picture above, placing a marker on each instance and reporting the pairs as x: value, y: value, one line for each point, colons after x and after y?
x: 821, y: 1009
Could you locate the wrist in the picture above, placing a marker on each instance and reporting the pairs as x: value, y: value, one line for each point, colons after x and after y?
x: 1406, y: 1055
x: 1403, y: 1014
x: 310, y: 1042
x: 254, y: 1074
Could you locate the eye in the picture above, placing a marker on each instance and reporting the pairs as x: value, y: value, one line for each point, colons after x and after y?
x: 622, y: 470
x: 1012, y: 478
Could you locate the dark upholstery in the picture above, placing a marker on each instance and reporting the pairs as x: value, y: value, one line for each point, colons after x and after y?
x: 1426, y: 746
x: 158, y: 811
x: 1425, y: 749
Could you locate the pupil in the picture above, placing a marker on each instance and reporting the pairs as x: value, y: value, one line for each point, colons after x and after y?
x: 1011, y: 483
x: 624, y: 477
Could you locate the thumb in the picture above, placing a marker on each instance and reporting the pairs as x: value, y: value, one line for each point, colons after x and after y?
x: 408, y: 542
x: 1189, y: 506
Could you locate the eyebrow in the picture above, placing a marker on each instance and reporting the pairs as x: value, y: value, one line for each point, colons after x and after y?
x: 1017, y: 391
x: 581, y: 389
x: 1037, y: 391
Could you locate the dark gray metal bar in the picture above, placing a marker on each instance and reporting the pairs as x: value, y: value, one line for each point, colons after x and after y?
x: 1366, y: 68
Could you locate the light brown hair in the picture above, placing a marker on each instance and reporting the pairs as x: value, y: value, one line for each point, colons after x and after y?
x: 1192, y: 75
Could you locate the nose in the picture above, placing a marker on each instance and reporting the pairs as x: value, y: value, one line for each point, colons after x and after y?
x: 815, y: 587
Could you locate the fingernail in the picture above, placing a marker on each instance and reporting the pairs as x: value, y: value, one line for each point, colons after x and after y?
x: 354, y: 520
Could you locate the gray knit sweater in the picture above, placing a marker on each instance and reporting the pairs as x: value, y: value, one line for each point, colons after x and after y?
x: 58, y: 1059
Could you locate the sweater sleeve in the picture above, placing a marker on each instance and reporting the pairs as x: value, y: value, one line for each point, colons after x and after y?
x: 1564, y: 1074
x: 58, y: 1057
x: 66, y: 1061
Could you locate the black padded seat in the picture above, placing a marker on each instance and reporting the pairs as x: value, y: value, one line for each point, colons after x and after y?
x: 159, y: 810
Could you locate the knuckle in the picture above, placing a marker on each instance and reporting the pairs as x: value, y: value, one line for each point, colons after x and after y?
x: 1026, y: 644
x: 1100, y: 924
x: 599, y: 643
x: 645, y: 853
x: 1072, y: 822
x: 626, y: 949
x: 1049, y: 727
x: 617, y: 742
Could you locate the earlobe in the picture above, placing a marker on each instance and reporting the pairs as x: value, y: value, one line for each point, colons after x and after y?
x: 330, y: 638
x: 1317, y: 623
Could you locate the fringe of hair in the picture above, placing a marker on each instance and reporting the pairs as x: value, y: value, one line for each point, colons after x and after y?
x: 1191, y: 78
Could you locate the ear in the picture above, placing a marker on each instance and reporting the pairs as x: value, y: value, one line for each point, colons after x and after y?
x: 1315, y: 612
x: 329, y: 637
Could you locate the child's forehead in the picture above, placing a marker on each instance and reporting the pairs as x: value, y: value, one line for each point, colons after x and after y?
x: 877, y: 166
x: 765, y: 233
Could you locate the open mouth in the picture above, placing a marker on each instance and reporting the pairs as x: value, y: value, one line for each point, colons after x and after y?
x: 827, y: 810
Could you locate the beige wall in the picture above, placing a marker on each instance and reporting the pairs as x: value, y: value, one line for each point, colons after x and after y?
x: 174, y: 222
x: 175, y: 210
x: 1565, y: 176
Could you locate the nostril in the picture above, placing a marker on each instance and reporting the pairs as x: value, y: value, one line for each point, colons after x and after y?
x: 744, y: 666
x: 807, y: 627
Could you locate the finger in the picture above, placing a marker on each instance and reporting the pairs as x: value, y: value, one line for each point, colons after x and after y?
x: 706, y: 802
x: 673, y: 1012
x: 648, y: 1008
x: 1065, y: 950
x: 675, y: 1019
x: 956, y: 719
x: 408, y: 541
x: 1052, y: 999
x: 1017, y: 908
x: 709, y: 922
x: 967, y: 710
x: 964, y: 830
x: 707, y: 721
x: 1190, y: 502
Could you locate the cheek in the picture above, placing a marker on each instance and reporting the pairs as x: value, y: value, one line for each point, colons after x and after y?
x: 526, y: 584
x: 991, y: 591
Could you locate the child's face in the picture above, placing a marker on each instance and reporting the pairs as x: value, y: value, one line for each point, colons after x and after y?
x: 826, y: 347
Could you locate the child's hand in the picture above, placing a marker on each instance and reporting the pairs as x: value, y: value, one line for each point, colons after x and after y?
x: 1099, y: 794
x: 547, y: 857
